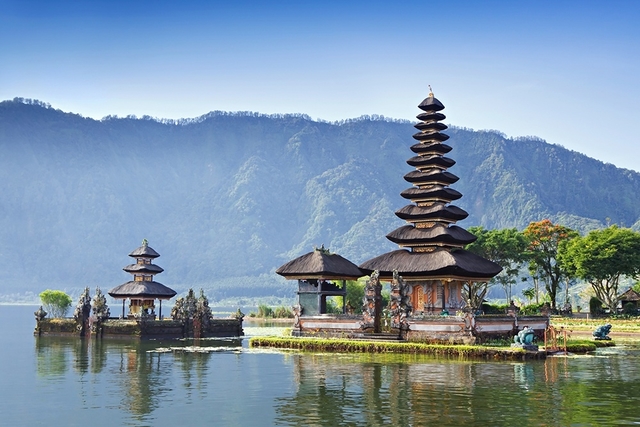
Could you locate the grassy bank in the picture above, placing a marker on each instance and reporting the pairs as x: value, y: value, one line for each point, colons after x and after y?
x: 580, y: 324
x: 357, y: 346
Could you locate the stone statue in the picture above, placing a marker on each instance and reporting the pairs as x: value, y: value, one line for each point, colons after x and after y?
x: 372, y: 302
x: 399, y: 302
x: 100, y: 309
x: 602, y: 332
x: 525, y: 336
x: 40, y: 314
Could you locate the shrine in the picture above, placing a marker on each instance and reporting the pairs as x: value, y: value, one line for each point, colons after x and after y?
x: 142, y: 291
x: 431, y: 258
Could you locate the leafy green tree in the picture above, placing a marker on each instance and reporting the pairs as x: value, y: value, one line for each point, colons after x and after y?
x: 506, y: 247
x: 602, y: 258
x: 544, y: 239
x: 56, y: 303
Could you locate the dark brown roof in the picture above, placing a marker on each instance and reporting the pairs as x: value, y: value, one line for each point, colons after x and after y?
x: 431, y: 104
x: 320, y: 264
x: 436, y: 148
x: 143, y: 268
x: 418, y: 213
x: 434, y: 126
x: 439, y: 264
x: 430, y: 115
x: 133, y: 289
x: 630, y: 295
x: 417, y: 193
x: 439, y: 233
x: 430, y: 136
x: 433, y: 161
x: 436, y: 176
x: 144, y: 251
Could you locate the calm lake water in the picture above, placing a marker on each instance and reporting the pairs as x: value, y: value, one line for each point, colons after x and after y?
x: 73, y: 382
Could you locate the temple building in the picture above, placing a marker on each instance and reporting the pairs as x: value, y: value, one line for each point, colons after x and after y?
x: 142, y: 291
x: 320, y: 274
x: 431, y: 258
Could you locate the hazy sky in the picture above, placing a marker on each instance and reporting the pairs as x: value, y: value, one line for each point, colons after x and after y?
x: 566, y: 71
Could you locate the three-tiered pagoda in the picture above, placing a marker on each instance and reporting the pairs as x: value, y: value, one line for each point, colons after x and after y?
x: 431, y: 259
x: 142, y: 291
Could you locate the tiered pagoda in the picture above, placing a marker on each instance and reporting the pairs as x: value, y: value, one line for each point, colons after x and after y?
x: 431, y: 259
x: 142, y: 291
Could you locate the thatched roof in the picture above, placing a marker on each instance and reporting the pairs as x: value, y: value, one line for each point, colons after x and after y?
x: 434, y: 126
x: 439, y: 264
x: 133, y: 289
x: 431, y: 148
x: 320, y: 264
x: 434, y: 161
x: 439, y: 233
x: 630, y: 295
x: 430, y: 136
x: 431, y: 104
x: 432, y: 177
x: 430, y: 115
x: 143, y: 268
x: 445, y: 194
x: 144, y: 251
x: 435, y: 212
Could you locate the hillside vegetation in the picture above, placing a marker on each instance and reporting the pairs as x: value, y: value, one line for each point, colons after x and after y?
x: 226, y: 198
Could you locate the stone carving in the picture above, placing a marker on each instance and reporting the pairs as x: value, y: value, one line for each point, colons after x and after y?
x: 400, y: 302
x: 602, y: 332
x: 82, y: 312
x: 297, y: 312
x: 100, y: 309
x: 40, y: 314
x: 525, y: 336
x: 372, y: 303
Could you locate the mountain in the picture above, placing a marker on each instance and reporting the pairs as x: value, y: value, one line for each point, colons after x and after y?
x: 226, y: 198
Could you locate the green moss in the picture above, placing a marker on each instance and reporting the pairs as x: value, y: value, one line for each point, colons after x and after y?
x: 357, y: 346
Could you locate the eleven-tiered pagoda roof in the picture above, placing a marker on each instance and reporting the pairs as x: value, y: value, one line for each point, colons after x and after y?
x: 432, y: 244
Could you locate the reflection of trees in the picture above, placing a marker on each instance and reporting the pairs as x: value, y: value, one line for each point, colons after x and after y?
x: 402, y: 390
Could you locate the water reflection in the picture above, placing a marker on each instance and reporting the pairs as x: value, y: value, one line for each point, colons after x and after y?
x: 137, y: 374
x: 376, y: 390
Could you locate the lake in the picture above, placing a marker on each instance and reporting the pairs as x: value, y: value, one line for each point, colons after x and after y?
x: 73, y: 382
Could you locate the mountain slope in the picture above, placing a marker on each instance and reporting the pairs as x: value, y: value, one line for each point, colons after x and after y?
x: 228, y: 197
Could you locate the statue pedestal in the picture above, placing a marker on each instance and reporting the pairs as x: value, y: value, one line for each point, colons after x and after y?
x: 527, y: 347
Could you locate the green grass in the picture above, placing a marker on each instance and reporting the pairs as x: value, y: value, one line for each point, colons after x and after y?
x: 357, y: 346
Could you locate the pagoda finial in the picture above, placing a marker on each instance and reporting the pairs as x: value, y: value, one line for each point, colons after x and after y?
x: 145, y: 242
x: 430, y: 91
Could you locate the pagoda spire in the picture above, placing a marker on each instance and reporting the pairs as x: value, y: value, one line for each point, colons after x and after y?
x: 431, y: 244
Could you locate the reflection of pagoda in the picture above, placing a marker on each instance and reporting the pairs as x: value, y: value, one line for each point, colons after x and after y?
x: 431, y: 259
x: 142, y: 290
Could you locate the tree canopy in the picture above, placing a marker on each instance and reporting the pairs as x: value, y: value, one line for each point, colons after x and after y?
x: 55, y: 303
x: 545, y: 238
x: 602, y: 258
x: 506, y: 247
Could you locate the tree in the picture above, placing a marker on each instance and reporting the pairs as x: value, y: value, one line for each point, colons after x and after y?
x: 544, y: 239
x: 602, y: 258
x: 56, y: 303
x: 506, y: 247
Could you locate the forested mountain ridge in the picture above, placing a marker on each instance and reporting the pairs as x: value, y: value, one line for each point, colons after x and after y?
x: 228, y: 197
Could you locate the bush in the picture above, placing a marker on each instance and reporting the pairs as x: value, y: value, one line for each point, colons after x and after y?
x: 55, y: 303
x: 595, y: 306
x: 629, y: 309
x: 531, y: 309
x: 494, y: 308
x: 283, y: 313
x: 265, y: 311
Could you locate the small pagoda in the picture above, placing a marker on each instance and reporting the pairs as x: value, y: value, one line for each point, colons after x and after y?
x: 142, y: 291
x: 431, y: 258
x: 320, y: 274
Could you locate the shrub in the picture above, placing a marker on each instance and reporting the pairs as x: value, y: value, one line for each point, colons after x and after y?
x: 265, y: 311
x: 629, y: 309
x: 283, y: 313
x: 595, y: 306
x: 55, y: 303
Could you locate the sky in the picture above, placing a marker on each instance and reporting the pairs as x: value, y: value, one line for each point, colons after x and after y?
x: 524, y: 68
